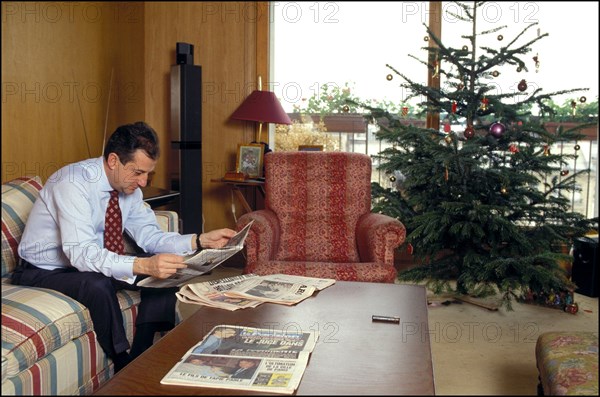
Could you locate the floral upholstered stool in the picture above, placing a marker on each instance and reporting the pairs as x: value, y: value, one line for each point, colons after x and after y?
x: 567, y: 363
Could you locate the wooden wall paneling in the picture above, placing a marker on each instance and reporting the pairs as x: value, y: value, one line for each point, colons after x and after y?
x: 56, y: 62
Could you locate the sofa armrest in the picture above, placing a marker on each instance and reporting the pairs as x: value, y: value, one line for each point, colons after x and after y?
x: 167, y: 220
x: 263, y: 236
x: 378, y: 236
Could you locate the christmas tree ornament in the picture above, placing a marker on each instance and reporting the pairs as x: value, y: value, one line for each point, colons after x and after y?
x: 426, y: 38
x: 448, y: 138
x: 346, y: 109
x: 454, y: 106
x: 469, y: 132
x: 447, y: 129
x: 484, y: 103
x: 536, y: 59
x: 522, y: 86
x: 577, y: 147
x: 546, y: 150
x: 564, y: 173
x: 495, y: 73
x: 573, y: 108
x: 392, y: 178
x: 497, y: 129
x: 582, y: 99
x: 513, y: 148
x: 572, y: 308
x: 503, y: 190
x: 404, y: 110
x: 500, y: 37
x: 465, y: 48
x: 389, y: 77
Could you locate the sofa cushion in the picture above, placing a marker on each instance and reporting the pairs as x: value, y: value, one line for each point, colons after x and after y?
x: 37, y: 321
x: 18, y: 197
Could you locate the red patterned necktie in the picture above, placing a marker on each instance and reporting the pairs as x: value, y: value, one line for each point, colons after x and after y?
x: 113, y: 232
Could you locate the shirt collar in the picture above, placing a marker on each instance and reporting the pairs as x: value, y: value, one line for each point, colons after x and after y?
x: 104, y: 184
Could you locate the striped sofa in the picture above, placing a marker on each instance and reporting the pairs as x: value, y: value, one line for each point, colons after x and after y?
x: 47, y: 337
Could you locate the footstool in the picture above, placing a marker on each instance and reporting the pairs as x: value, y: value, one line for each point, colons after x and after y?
x: 567, y: 363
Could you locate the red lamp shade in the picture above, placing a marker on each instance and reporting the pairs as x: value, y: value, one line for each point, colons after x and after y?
x: 262, y: 106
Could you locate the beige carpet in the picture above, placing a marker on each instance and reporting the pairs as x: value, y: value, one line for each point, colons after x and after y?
x: 480, y: 352
x: 476, y: 351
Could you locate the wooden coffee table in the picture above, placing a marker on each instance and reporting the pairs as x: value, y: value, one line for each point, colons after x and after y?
x: 353, y: 355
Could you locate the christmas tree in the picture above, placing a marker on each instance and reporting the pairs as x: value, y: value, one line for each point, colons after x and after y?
x: 487, y: 207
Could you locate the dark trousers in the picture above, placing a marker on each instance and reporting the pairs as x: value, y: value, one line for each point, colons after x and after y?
x: 98, y: 293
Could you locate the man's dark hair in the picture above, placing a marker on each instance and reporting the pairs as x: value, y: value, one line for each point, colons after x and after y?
x: 130, y: 137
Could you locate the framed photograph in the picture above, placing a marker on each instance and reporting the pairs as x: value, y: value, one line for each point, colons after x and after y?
x: 250, y: 159
x: 310, y: 148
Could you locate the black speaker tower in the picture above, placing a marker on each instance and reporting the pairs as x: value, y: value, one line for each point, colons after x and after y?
x: 186, y: 136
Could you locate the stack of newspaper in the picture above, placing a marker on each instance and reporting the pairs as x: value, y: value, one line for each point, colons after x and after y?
x: 245, y: 358
x: 250, y: 290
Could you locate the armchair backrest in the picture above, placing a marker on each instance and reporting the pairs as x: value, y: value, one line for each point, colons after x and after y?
x: 318, y: 198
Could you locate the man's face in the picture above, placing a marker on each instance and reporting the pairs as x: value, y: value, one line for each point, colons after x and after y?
x: 128, y: 177
x: 246, y: 364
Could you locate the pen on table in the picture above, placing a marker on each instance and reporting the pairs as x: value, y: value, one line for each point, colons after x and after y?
x: 385, y: 319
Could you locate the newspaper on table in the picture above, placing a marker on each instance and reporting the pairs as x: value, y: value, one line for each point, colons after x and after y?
x: 200, y: 262
x: 211, y: 293
x: 246, y: 358
x: 278, y: 288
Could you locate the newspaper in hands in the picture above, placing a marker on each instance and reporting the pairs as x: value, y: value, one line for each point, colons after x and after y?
x: 200, y: 262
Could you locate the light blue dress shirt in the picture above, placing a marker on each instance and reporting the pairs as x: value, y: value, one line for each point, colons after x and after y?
x: 66, y: 225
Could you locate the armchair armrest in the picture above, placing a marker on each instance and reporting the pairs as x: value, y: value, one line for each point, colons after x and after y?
x: 263, y: 236
x: 378, y: 236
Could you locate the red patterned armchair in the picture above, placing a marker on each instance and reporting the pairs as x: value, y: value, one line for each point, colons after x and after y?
x: 317, y: 220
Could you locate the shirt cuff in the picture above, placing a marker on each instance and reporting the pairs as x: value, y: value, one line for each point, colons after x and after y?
x: 123, y: 269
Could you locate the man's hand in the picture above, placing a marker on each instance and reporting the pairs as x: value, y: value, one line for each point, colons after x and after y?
x: 216, y: 238
x: 159, y: 265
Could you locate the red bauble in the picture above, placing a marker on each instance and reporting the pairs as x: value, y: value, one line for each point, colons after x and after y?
x: 469, y: 132
x: 572, y: 308
x: 497, y: 129
x: 522, y: 86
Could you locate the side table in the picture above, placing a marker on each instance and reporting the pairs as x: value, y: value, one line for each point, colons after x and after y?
x: 236, y: 186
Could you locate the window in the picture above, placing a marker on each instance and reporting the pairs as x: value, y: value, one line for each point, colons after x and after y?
x: 350, y: 43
